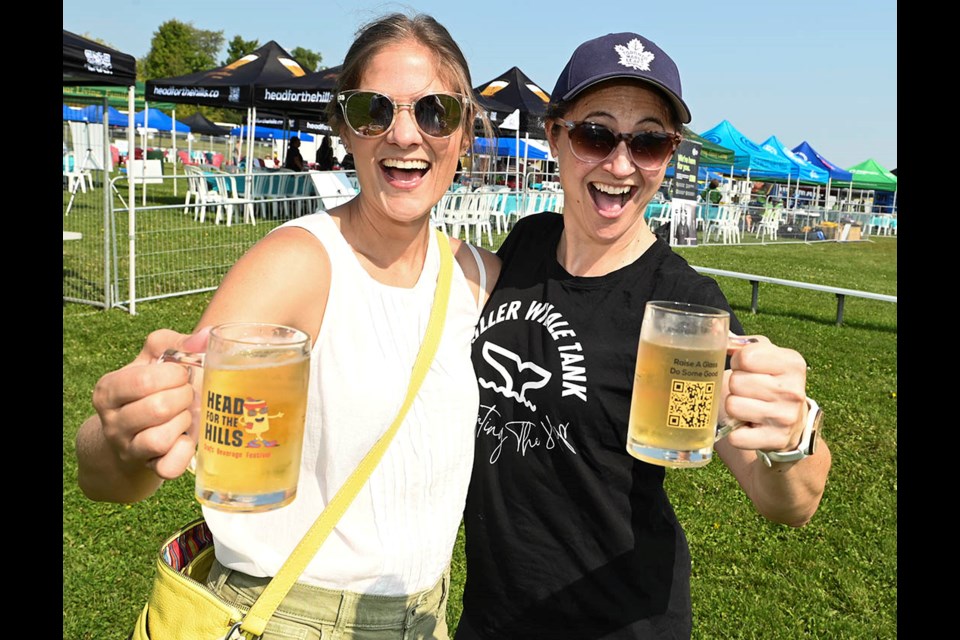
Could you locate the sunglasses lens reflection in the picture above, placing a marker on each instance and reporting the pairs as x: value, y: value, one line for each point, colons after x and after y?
x: 651, y: 150
x: 591, y: 142
x: 368, y: 114
x: 372, y: 114
x: 594, y: 143
x: 438, y: 114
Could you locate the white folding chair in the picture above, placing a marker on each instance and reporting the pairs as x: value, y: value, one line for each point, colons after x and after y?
x: 472, y: 213
x: 202, y: 193
x: 277, y: 192
x: 193, y: 194
x: 663, y: 216
x: 769, y: 223
x: 75, y: 175
x: 730, y: 228
x: 529, y: 204
x: 454, y: 214
x: 479, y: 215
x: 726, y: 225
x: 228, y: 198
x: 438, y: 211
x: 496, y: 204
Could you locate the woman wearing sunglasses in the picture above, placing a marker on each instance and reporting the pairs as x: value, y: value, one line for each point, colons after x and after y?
x: 567, y: 535
x: 360, y: 279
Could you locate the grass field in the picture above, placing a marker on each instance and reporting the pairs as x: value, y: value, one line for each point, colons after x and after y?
x: 834, y: 578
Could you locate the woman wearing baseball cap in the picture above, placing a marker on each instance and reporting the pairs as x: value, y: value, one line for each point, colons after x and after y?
x: 567, y: 535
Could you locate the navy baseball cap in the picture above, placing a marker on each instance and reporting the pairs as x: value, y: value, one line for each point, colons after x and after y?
x: 621, y: 55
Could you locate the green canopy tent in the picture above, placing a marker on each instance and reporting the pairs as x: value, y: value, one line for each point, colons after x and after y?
x: 711, y: 153
x: 870, y: 175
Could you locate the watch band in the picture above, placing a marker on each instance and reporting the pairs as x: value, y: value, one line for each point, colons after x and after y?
x: 808, y: 441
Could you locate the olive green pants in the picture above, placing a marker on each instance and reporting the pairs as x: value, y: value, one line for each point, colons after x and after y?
x: 314, y: 613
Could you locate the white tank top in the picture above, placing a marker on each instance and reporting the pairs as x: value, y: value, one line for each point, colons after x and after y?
x: 397, y: 536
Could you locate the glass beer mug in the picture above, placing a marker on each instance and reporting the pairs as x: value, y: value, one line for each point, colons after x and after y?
x: 252, y: 411
x: 676, y: 388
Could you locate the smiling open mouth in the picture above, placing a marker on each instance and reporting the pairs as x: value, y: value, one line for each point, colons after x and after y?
x: 609, y: 197
x: 404, y: 170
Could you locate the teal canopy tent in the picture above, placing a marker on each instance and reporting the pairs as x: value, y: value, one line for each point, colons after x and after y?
x: 750, y: 159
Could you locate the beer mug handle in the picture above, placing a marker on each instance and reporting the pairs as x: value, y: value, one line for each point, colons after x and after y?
x: 727, y: 427
x: 182, y: 357
x: 731, y: 424
x: 191, y: 360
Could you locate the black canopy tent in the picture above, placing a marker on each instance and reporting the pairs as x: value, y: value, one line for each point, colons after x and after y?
x: 300, y: 103
x: 306, y: 95
x: 89, y: 63
x: 199, y: 123
x: 232, y: 85
x: 515, y: 90
x: 496, y: 112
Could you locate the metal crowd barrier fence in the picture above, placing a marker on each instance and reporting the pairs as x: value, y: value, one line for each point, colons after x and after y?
x: 117, y: 256
x: 173, y: 242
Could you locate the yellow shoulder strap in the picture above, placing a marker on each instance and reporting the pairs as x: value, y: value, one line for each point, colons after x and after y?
x: 256, y: 619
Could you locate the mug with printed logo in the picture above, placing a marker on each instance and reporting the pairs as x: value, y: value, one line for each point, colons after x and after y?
x: 252, y: 411
x: 676, y: 388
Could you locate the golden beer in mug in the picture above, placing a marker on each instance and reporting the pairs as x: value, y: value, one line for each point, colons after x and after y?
x: 676, y: 388
x: 252, y: 412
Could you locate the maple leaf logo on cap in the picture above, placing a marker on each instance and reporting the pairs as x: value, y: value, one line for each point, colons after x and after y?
x: 634, y: 56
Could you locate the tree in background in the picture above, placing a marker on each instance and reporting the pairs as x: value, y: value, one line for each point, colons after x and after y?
x: 308, y: 59
x: 238, y: 48
x: 178, y: 48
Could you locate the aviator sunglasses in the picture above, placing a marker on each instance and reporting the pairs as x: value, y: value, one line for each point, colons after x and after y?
x: 371, y: 114
x: 591, y: 142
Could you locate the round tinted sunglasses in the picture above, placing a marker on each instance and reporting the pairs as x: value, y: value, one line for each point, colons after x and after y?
x: 593, y: 143
x: 370, y: 114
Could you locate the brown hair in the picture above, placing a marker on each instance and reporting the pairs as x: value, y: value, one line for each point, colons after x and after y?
x: 425, y: 30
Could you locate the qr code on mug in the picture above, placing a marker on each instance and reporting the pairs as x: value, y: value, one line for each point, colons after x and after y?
x: 690, y: 404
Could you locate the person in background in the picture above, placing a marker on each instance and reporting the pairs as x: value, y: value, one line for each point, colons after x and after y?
x: 567, y: 535
x: 712, y: 194
x: 325, y: 158
x: 360, y: 279
x: 347, y: 164
x: 294, y: 160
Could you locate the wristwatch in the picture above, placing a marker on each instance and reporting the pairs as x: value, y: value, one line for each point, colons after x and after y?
x: 808, y: 441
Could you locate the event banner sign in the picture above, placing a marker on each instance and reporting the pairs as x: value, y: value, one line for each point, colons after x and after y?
x: 687, y: 163
x: 683, y: 224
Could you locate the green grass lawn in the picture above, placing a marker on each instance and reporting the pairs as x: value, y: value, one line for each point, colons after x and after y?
x: 834, y: 578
